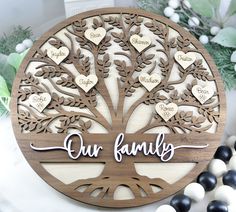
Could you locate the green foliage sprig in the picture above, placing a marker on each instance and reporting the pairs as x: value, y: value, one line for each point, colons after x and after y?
x: 9, y: 63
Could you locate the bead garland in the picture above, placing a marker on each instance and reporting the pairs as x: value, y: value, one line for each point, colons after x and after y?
x: 207, y: 181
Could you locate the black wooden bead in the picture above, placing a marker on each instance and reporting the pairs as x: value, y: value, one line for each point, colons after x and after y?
x: 181, y: 203
x: 217, y: 206
x: 229, y: 178
x: 223, y: 153
x: 207, y: 180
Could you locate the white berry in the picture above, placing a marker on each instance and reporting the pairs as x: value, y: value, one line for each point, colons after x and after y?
x: 27, y: 43
x: 214, y: 30
x: 20, y: 48
x: 232, y: 163
x: 174, y: 3
x: 225, y: 193
x: 203, y: 39
x: 235, y: 67
x: 165, y: 208
x: 174, y: 18
x: 168, y: 11
x: 217, y: 167
x: 195, y: 191
x: 233, y: 57
x: 186, y: 4
x: 231, y: 141
x: 193, y: 22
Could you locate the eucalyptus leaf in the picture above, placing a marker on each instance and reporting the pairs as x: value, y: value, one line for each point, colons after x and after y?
x: 226, y: 37
x: 202, y: 7
x: 232, y: 8
x: 7, y: 71
x: 15, y: 59
x: 4, y: 92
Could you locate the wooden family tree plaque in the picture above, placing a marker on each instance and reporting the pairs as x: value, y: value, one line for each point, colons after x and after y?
x: 123, y: 93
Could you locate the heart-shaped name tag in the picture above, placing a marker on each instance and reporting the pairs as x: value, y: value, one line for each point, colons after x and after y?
x: 96, y: 35
x: 202, y: 93
x: 140, y: 43
x: 149, y: 81
x: 86, y: 82
x: 185, y: 60
x: 58, y: 55
x: 40, y: 101
x: 166, y: 111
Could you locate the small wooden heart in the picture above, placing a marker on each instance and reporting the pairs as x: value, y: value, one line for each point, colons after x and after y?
x: 149, y: 81
x: 202, y: 93
x: 96, y: 35
x: 86, y: 82
x: 40, y: 101
x: 185, y: 60
x: 58, y: 55
x: 166, y: 111
x: 140, y: 43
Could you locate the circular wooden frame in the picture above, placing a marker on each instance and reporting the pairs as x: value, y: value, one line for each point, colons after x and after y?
x: 41, y: 139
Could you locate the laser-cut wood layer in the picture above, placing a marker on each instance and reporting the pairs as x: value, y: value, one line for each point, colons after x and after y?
x: 50, y: 127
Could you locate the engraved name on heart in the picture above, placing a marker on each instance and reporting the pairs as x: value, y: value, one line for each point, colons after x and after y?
x: 185, y: 60
x: 140, y: 43
x: 40, y: 101
x: 202, y: 93
x: 166, y: 111
x: 86, y: 82
x: 96, y: 35
x: 149, y: 81
x: 58, y: 55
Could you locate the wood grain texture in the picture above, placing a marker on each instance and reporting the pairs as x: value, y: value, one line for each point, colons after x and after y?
x: 185, y: 127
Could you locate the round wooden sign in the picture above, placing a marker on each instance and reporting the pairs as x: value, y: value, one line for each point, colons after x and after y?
x: 118, y: 107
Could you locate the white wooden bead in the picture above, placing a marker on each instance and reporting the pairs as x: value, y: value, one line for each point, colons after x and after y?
x: 232, y: 163
x: 232, y: 139
x: 195, y: 191
x: 165, y: 208
x: 225, y: 193
x: 217, y: 167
